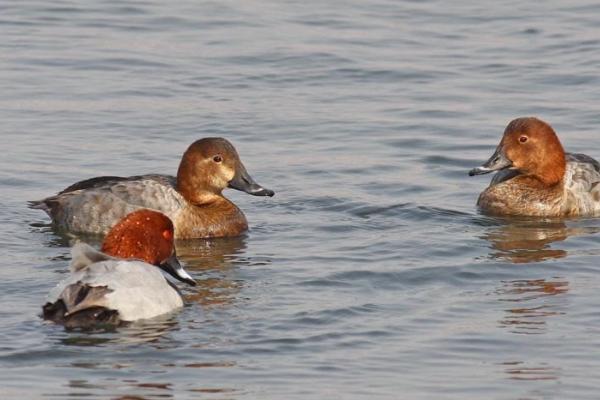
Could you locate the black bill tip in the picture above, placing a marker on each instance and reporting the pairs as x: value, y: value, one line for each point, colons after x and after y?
x: 480, y: 171
x: 264, y: 192
x: 497, y: 162
x: 243, y: 181
x: 172, y: 266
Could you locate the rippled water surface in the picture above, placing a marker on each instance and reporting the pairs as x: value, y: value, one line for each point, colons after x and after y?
x: 370, y: 274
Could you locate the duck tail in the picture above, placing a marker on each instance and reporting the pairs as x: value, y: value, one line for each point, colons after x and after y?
x: 76, y: 309
x: 84, y: 255
x: 39, y: 205
x: 50, y: 205
x: 90, y: 318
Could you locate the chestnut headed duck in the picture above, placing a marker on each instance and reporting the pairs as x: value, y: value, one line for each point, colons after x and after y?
x: 193, y: 200
x: 536, y: 177
x: 122, y: 283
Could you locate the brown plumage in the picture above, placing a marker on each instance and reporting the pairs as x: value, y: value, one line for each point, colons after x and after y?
x: 153, y: 244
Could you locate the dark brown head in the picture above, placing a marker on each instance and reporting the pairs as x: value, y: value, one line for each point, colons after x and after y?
x: 210, y: 165
x: 530, y: 146
x: 146, y: 235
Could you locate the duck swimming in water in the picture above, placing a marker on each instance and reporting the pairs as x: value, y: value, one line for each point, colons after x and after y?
x: 193, y: 199
x: 535, y: 177
x: 123, y: 282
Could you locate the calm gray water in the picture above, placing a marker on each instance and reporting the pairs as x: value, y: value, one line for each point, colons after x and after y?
x: 370, y: 275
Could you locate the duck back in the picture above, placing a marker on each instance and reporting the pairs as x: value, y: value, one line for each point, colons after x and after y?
x: 103, y: 290
x: 582, y: 189
x: 95, y: 205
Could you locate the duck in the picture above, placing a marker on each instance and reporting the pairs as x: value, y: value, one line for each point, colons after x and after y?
x: 535, y: 177
x: 193, y: 199
x: 123, y: 282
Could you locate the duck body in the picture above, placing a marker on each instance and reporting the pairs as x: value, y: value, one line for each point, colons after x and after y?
x: 193, y: 199
x: 537, y: 178
x: 578, y: 194
x: 111, y: 290
x: 95, y: 205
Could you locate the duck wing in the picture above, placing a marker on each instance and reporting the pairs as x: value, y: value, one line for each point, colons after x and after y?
x: 583, y: 173
x: 94, y: 205
x: 103, y: 181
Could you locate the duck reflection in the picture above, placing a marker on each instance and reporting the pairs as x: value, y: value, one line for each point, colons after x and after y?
x: 524, y: 241
x: 143, y: 331
x: 519, y: 370
x: 144, y: 390
x: 214, y: 259
x: 210, y: 254
x: 532, y: 303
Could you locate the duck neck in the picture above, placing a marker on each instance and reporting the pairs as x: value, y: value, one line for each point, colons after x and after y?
x: 553, y: 174
x: 202, y: 198
x: 217, y: 218
x: 552, y: 166
x: 539, y: 183
x: 191, y: 188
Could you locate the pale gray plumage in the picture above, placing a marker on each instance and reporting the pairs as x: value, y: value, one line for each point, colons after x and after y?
x: 135, y: 289
x: 97, y: 204
x: 582, y: 177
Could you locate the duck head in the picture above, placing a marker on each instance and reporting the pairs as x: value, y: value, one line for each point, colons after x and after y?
x: 210, y: 165
x: 531, y: 147
x: 146, y: 235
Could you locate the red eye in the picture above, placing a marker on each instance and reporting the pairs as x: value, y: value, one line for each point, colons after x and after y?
x: 167, y: 234
x: 217, y: 159
x: 523, y: 139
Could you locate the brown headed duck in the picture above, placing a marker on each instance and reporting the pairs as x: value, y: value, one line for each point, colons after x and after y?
x: 193, y: 200
x: 122, y: 283
x: 536, y: 177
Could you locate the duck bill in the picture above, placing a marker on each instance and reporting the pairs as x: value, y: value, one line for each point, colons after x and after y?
x: 172, y: 266
x: 498, y: 161
x: 244, y: 182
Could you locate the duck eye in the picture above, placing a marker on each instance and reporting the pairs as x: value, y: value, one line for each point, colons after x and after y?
x: 217, y: 159
x: 523, y: 139
x: 167, y: 234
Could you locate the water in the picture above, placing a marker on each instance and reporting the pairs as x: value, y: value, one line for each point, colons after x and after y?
x: 370, y: 274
